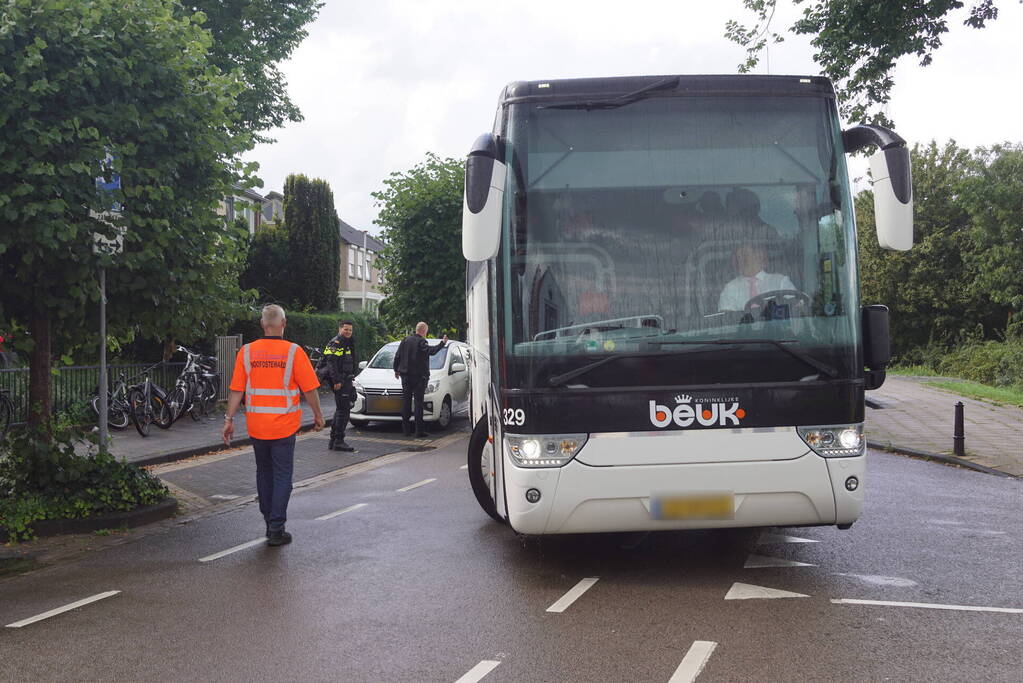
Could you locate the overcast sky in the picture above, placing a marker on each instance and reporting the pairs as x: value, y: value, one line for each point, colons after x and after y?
x: 382, y: 83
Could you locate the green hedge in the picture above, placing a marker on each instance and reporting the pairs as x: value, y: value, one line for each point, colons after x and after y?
x: 316, y: 329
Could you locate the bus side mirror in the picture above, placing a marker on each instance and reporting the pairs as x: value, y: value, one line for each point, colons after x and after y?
x: 484, y: 200
x: 893, y: 183
x: 876, y: 350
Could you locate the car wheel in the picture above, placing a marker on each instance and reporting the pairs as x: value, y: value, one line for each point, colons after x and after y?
x: 481, y: 467
x: 445, y: 413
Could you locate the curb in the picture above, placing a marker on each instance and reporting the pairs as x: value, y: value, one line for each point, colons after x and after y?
x: 131, y: 518
x: 946, y: 459
x: 173, y: 456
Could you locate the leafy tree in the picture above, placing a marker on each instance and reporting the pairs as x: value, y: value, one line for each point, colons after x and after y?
x: 859, y: 41
x: 266, y: 269
x: 993, y: 198
x: 314, y: 243
x: 252, y: 37
x: 130, y: 79
x: 421, y: 213
x: 937, y: 292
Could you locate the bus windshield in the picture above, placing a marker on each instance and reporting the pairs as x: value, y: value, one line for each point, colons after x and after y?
x: 643, y: 230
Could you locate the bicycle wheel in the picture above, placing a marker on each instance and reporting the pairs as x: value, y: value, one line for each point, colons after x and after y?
x: 208, y: 393
x: 194, y: 403
x: 176, y: 402
x: 162, y: 417
x: 117, y: 413
x: 140, y: 411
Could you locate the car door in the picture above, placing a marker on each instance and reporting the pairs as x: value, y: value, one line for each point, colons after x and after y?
x: 459, y: 380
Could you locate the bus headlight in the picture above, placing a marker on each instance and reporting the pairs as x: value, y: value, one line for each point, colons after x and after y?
x: 839, y: 441
x: 543, y: 450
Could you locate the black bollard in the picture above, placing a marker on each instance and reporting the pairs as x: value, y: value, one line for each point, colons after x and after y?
x: 958, y: 438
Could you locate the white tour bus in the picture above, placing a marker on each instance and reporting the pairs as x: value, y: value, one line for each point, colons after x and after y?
x: 662, y: 300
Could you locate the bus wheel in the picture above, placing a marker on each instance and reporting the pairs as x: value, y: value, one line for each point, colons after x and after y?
x: 481, y: 467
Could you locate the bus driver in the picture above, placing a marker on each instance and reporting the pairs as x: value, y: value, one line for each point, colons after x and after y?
x: 751, y: 262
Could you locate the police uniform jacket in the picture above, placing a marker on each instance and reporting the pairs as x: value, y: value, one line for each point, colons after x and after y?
x: 338, y: 363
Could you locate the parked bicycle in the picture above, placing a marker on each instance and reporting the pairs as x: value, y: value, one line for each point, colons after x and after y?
x: 148, y: 404
x: 118, y: 410
x: 6, y: 411
x: 195, y: 391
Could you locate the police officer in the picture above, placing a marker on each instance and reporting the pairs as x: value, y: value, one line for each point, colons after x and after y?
x: 272, y: 373
x: 412, y: 366
x: 338, y: 368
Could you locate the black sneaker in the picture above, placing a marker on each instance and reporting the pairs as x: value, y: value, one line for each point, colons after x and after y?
x: 330, y: 445
x: 268, y: 529
x: 342, y: 446
x: 278, y: 537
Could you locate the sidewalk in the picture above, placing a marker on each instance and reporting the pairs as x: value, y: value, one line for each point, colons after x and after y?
x: 187, y: 437
x: 914, y: 417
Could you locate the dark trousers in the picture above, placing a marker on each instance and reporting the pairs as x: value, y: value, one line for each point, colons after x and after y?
x: 342, y: 408
x: 412, y: 387
x: 275, y: 462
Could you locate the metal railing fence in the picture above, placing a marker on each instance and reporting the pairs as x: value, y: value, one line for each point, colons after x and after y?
x: 73, y: 386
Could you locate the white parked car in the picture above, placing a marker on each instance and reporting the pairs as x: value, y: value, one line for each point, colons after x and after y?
x: 379, y: 391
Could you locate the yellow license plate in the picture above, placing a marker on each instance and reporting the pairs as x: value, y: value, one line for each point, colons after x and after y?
x: 695, y: 506
x: 386, y: 404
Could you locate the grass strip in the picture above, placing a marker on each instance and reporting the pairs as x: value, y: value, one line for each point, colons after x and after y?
x: 999, y: 395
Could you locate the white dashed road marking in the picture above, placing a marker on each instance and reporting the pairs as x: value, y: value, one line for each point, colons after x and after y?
x: 424, y: 482
x: 694, y: 661
x: 782, y: 538
x: 928, y: 605
x: 745, y: 591
x: 875, y: 580
x: 61, y: 610
x: 760, y: 561
x: 222, y: 553
x: 464, y: 467
x: 477, y: 672
x: 571, y: 596
x: 332, y: 515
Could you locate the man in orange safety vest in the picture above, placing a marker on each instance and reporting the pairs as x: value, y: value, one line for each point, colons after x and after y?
x: 272, y: 374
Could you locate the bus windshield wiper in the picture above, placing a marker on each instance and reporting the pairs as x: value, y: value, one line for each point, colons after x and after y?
x: 782, y: 344
x: 558, y: 380
x: 615, y: 102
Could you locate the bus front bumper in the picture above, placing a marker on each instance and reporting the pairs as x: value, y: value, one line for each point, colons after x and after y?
x: 577, y: 498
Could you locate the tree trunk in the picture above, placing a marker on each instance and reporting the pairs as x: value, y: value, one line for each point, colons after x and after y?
x: 40, y: 407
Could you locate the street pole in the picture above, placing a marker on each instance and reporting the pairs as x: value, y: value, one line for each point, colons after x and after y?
x: 365, y: 266
x: 102, y: 360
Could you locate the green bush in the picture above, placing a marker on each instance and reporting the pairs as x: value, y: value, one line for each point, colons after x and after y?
x: 995, y: 363
x: 316, y: 329
x: 42, y: 479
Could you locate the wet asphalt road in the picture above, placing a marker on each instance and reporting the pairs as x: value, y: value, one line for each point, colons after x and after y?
x: 419, y: 585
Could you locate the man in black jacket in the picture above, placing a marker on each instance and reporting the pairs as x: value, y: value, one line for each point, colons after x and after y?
x: 337, y: 368
x: 412, y: 365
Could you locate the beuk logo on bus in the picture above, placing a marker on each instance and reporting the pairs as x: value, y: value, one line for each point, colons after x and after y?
x: 708, y: 412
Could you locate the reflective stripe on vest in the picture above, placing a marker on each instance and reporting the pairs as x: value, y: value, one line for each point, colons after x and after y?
x: 287, y: 393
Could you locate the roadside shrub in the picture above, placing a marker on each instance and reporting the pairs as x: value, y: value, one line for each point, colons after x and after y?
x: 45, y: 479
x: 996, y: 363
